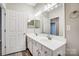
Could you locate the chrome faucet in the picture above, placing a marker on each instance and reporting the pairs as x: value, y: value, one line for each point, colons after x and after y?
x: 49, y: 37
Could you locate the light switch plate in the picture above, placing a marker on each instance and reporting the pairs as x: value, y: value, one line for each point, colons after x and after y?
x: 68, y: 27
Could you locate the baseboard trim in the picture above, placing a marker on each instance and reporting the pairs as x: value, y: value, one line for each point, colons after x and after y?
x: 13, y: 52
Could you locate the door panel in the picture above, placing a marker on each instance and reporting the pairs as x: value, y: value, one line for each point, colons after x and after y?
x: 35, y: 49
x: 15, y: 38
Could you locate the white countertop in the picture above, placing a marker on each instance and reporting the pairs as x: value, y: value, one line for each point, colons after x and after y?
x: 53, y: 44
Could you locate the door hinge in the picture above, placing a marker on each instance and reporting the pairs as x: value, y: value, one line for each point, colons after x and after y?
x: 4, y: 30
x: 5, y: 47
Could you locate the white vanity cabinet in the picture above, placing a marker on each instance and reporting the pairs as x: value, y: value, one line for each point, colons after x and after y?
x: 43, y: 48
x: 29, y: 44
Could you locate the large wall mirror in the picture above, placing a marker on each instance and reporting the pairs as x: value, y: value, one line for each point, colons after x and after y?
x: 51, y: 19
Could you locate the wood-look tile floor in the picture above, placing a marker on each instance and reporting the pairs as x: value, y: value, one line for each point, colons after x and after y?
x: 22, y: 53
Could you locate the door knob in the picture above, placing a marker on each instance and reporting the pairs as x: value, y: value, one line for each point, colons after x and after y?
x: 59, y: 54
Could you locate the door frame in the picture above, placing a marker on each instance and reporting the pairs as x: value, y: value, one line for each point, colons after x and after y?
x: 3, y: 16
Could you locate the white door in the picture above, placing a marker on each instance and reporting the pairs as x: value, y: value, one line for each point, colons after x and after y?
x: 15, y: 32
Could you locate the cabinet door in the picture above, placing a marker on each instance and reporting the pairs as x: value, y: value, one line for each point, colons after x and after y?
x: 28, y: 39
x: 45, y: 51
x: 59, y: 52
x: 36, y: 49
x: 29, y: 43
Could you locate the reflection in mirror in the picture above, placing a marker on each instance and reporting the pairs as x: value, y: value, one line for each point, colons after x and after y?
x: 33, y: 24
x: 54, y: 26
x: 51, y: 19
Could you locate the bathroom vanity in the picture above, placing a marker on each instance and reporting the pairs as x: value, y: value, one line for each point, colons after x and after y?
x: 40, y: 45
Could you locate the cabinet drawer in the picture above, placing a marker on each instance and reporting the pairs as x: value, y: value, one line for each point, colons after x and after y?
x: 45, y: 51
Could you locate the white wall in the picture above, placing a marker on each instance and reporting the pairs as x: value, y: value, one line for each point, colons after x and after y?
x: 72, y: 30
x: 59, y: 12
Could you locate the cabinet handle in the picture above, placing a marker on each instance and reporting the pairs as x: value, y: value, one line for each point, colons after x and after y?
x: 38, y: 53
x: 45, y: 52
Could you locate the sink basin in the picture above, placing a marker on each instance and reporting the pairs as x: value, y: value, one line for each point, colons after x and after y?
x: 45, y: 35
